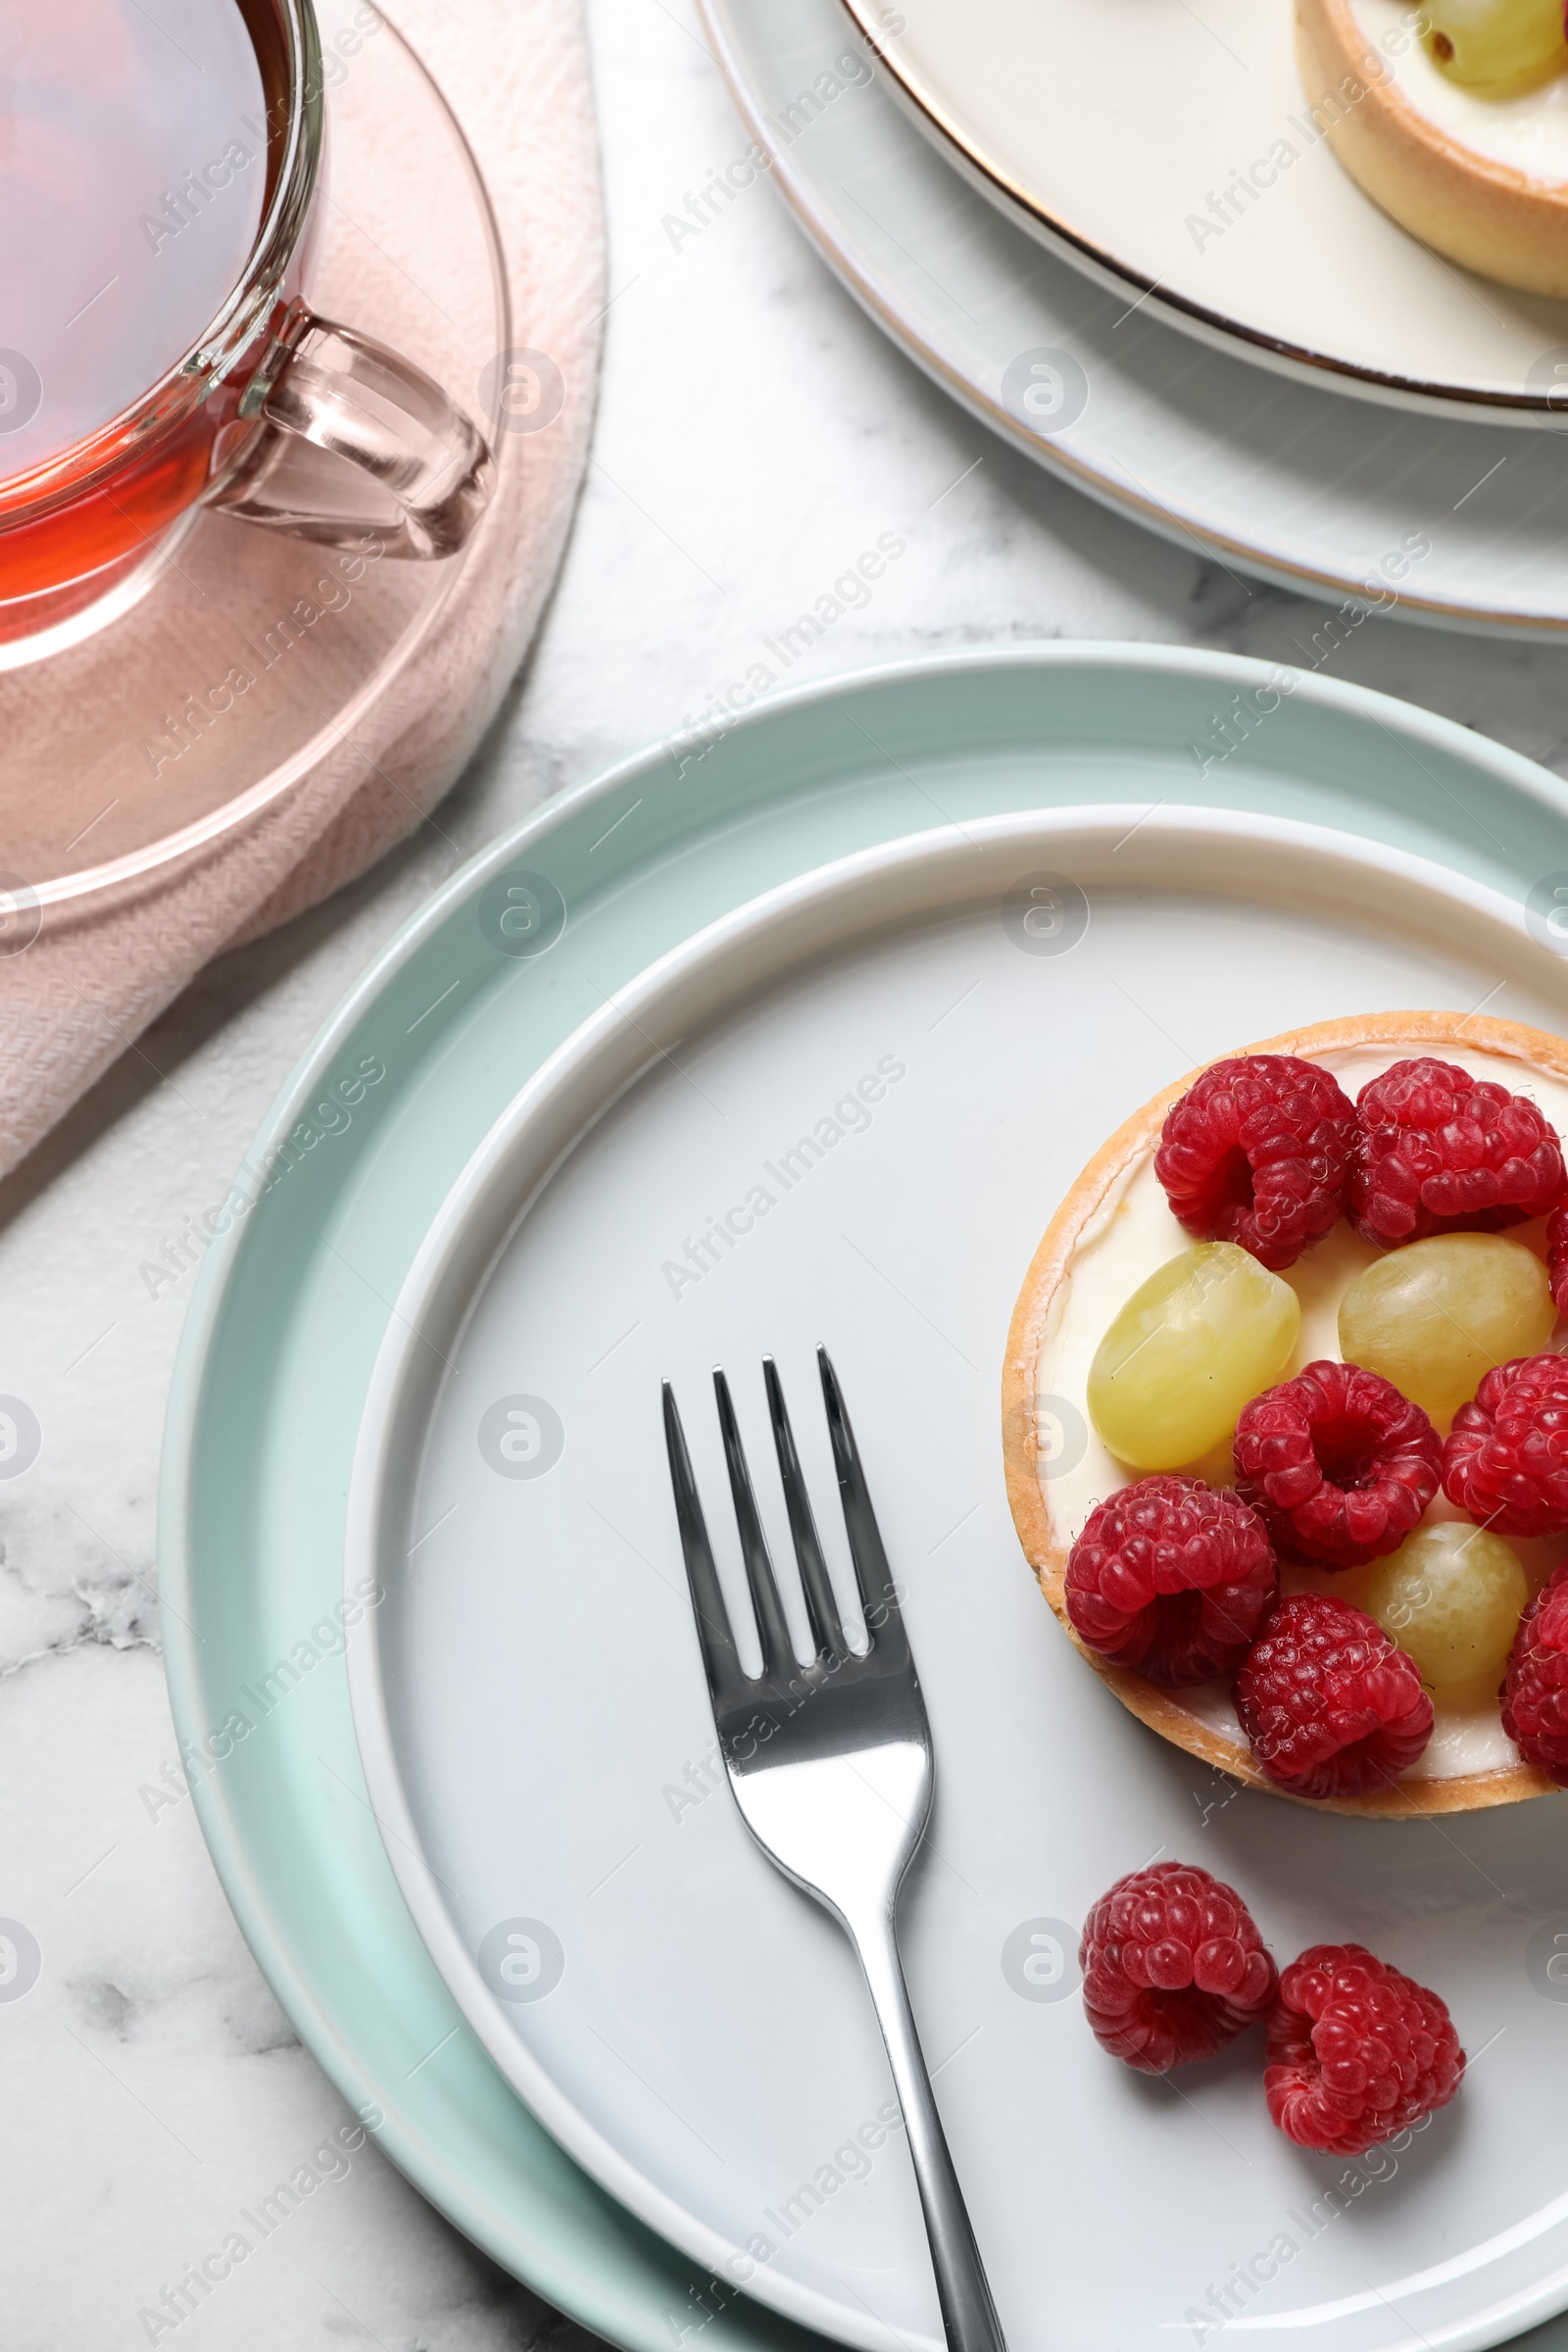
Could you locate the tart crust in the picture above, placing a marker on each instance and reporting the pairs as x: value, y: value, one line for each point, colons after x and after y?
x: 1047, y: 1545
x: 1484, y: 214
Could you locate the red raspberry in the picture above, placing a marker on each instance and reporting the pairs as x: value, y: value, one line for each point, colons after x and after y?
x: 1535, y: 1683
x: 1258, y: 1151
x: 1331, y: 1707
x: 1173, y: 1967
x: 1173, y: 1577
x: 1439, y: 1152
x: 1338, y: 1463
x: 1557, y: 1259
x: 1506, y: 1458
x: 1356, y: 2052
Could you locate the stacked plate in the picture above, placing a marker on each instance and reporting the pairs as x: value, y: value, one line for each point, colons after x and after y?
x: 750, y: 1046
x: 1120, y: 236
x: 745, y: 1047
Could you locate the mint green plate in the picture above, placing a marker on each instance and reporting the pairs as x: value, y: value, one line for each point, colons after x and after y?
x: 361, y: 1149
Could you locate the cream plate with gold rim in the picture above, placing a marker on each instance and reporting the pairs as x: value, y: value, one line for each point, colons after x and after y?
x: 1168, y: 149
x: 1462, y: 523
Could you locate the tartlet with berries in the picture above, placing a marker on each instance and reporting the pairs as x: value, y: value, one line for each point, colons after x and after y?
x: 1285, y: 1426
x: 1453, y: 120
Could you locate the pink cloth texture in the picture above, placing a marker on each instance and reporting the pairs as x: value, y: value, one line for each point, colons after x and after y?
x: 515, y: 75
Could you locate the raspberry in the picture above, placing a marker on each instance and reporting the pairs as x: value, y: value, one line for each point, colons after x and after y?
x: 1535, y: 1684
x: 1331, y: 1707
x: 1258, y: 1151
x: 1339, y: 1465
x: 1506, y: 1458
x: 1173, y: 1577
x: 1356, y: 2052
x: 1173, y: 1967
x: 1557, y: 1259
x: 1439, y: 1152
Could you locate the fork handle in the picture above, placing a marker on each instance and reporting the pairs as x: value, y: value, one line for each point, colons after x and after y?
x: 968, y: 2315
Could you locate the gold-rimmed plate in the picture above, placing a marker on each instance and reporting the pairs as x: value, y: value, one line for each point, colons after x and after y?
x: 1167, y: 149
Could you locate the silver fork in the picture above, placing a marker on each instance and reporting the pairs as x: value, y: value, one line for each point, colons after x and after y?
x: 830, y: 1765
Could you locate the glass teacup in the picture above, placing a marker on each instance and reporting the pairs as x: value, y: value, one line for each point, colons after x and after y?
x: 163, y: 354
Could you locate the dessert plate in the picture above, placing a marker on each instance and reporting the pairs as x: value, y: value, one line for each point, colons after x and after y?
x: 317, y: 1239
x: 835, y: 1115
x: 1170, y: 152
x: 1431, y: 519
x: 116, y: 766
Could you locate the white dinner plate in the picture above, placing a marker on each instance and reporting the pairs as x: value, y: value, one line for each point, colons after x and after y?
x: 845, y: 1113
x: 1441, y: 520
x: 1118, y: 130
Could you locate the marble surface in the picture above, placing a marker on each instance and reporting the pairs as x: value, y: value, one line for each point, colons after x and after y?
x: 755, y: 434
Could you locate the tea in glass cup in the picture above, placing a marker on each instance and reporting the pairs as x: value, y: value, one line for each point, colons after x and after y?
x: 159, y: 178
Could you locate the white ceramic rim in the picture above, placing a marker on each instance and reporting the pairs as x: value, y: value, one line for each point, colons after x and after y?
x: 759, y: 945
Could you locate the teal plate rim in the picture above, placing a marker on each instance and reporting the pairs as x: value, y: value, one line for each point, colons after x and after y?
x: 724, y: 813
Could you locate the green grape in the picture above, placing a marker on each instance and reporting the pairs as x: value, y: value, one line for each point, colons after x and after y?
x: 1191, y: 1348
x: 1494, y: 42
x: 1451, y: 1596
x: 1435, y: 1317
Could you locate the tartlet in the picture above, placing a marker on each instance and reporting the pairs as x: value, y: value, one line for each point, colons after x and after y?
x: 1488, y: 215
x: 1094, y: 1222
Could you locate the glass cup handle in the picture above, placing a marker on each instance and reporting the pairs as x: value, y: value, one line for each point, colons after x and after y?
x: 344, y: 392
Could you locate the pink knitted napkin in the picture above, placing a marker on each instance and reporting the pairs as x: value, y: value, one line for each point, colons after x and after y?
x: 515, y: 75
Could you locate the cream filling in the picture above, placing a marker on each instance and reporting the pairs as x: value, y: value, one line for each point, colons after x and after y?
x: 1530, y: 132
x: 1131, y: 1234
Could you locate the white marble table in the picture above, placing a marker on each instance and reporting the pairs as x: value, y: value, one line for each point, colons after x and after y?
x: 755, y: 434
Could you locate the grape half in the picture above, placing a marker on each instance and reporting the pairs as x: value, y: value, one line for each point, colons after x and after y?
x: 1192, y: 1345
x: 1496, y: 42
x: 1435, y: 1317
x: 1452, y: 1597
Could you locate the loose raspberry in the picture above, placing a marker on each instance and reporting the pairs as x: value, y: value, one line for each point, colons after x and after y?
x: 1173, y: 1967
x: 1258, y: 1151
x: 1535, y: 1683
x: 1331, y: 1707
x: 1439, y: 1152
x: 1557, y: 1259
x: 1356, y: 2052
x: 1173, y: 1577
x: 1338, y: 1463
x: 1506, y: 1458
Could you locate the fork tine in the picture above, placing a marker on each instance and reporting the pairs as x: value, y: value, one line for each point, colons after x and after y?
x: 720, y: 1660
x: 884, y: 1621
x: 778, y: 1651
x: 820, y: 1606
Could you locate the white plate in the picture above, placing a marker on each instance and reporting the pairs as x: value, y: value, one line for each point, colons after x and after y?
x: 1450, y: 521
x: 1108, y: 128
x: 531, y: 1705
